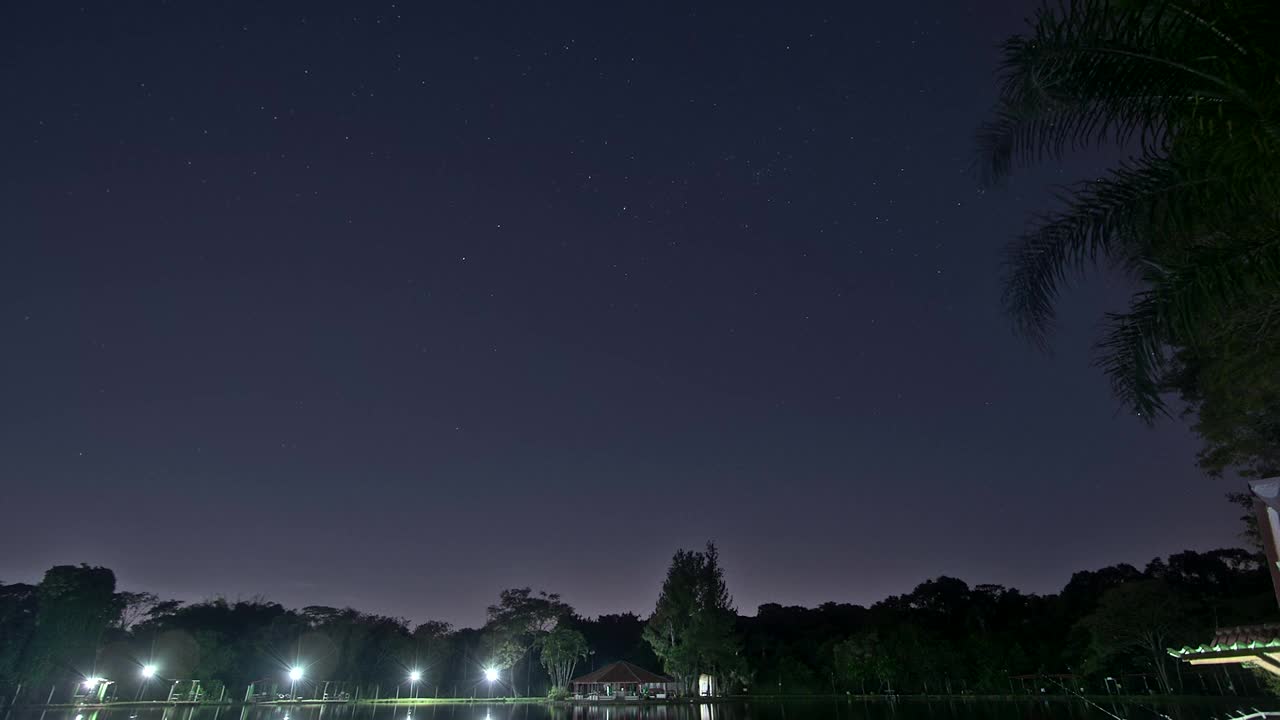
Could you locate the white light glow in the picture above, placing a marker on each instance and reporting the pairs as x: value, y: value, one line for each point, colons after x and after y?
x: 92, y: 682
x: 295, y: 674
x: 491, y: 674
x: 415, y: 676
x: 148, y: 671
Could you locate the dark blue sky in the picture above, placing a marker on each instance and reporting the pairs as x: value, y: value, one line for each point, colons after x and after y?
x: 394, y: 306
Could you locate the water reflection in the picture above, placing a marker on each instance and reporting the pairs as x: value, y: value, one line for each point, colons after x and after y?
x: 819, y: 709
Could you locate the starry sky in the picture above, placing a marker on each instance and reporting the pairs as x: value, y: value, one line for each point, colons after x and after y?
x: 394, y: 305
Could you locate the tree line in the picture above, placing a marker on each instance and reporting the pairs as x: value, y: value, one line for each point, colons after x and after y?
x: 945, y: 636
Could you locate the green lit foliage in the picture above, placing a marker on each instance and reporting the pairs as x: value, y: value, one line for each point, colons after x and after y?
x: 1192, y: 216
x: 693, y: 627
x: 562, y: 648
x: 1268, y: 681
x: 517, y: 624
x: 863, y: 664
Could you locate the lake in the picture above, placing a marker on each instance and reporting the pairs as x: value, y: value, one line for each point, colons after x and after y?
x: 817, y: 709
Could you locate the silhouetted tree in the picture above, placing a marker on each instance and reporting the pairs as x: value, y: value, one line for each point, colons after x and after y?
x: 616, y: 637
x: 517, y: 624
x: 1191, y: 217
x: 135, y: 607
x: 1143, y: 618
x: 693, y: 625
x: 17, y: 624
x: 942, y: 637
x: 75, y: 606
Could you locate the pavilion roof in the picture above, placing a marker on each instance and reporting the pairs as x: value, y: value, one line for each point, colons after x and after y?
x: 622, y: 672
x: 1227, y: 641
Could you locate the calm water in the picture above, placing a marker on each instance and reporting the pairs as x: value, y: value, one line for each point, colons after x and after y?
x: 754, y: 710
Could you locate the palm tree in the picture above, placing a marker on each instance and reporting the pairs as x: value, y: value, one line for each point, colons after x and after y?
x: 1192, y: 89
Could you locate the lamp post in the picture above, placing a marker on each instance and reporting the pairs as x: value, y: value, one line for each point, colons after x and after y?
x: 295, y: 674
x: 91, y: 685
x: 148, y: 672
x: 491, y: 676
x: 415, y: 677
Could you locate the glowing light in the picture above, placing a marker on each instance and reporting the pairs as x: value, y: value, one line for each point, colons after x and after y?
x: 148, y: 671
x: 491, y: 674
x: 92, y: 682
x: 415, y: 676
x: 295, y: 674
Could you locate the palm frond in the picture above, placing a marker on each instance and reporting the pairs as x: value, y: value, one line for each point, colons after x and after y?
x: 1195, y: 218
x: 1134, y: 359
x: 1182, y: 306
x: 1098, y: 71
x: 1113, y: 217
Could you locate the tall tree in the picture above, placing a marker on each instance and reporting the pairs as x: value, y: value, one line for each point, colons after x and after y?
x: 562, y: 648
x: 135, y: 607
x: 518, y: 622
x: 1192, y: 217
x: 75, y: 605
x: 692, y: 628
x: 1143, y: 619
x: 17, y: 624
x: 433, y: 644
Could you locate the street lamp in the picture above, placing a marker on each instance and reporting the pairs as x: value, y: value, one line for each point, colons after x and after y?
x: 415, y: 677
x: 97, y: 686
x: 491, y: 676
x: 295, y: 674
x: 148, y: 672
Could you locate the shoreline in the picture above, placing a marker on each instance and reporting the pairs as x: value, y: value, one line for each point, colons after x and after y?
x: 422, y: 702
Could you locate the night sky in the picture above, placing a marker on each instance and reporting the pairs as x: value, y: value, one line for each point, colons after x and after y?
x: 396, y: 305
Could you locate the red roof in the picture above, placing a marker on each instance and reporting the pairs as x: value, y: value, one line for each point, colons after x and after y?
x: 1235, y: 642
x: 1247, y: 634
x: 622, y: 672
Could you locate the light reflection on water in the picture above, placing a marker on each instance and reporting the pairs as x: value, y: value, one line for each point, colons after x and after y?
x: 818, y: 709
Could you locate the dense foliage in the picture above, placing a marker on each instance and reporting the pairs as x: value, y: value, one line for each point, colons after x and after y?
x: 692, y: 627
x: 518, y: 625
x: 1189, y: 87
x: 945, y: 636
x: 562, y: 649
